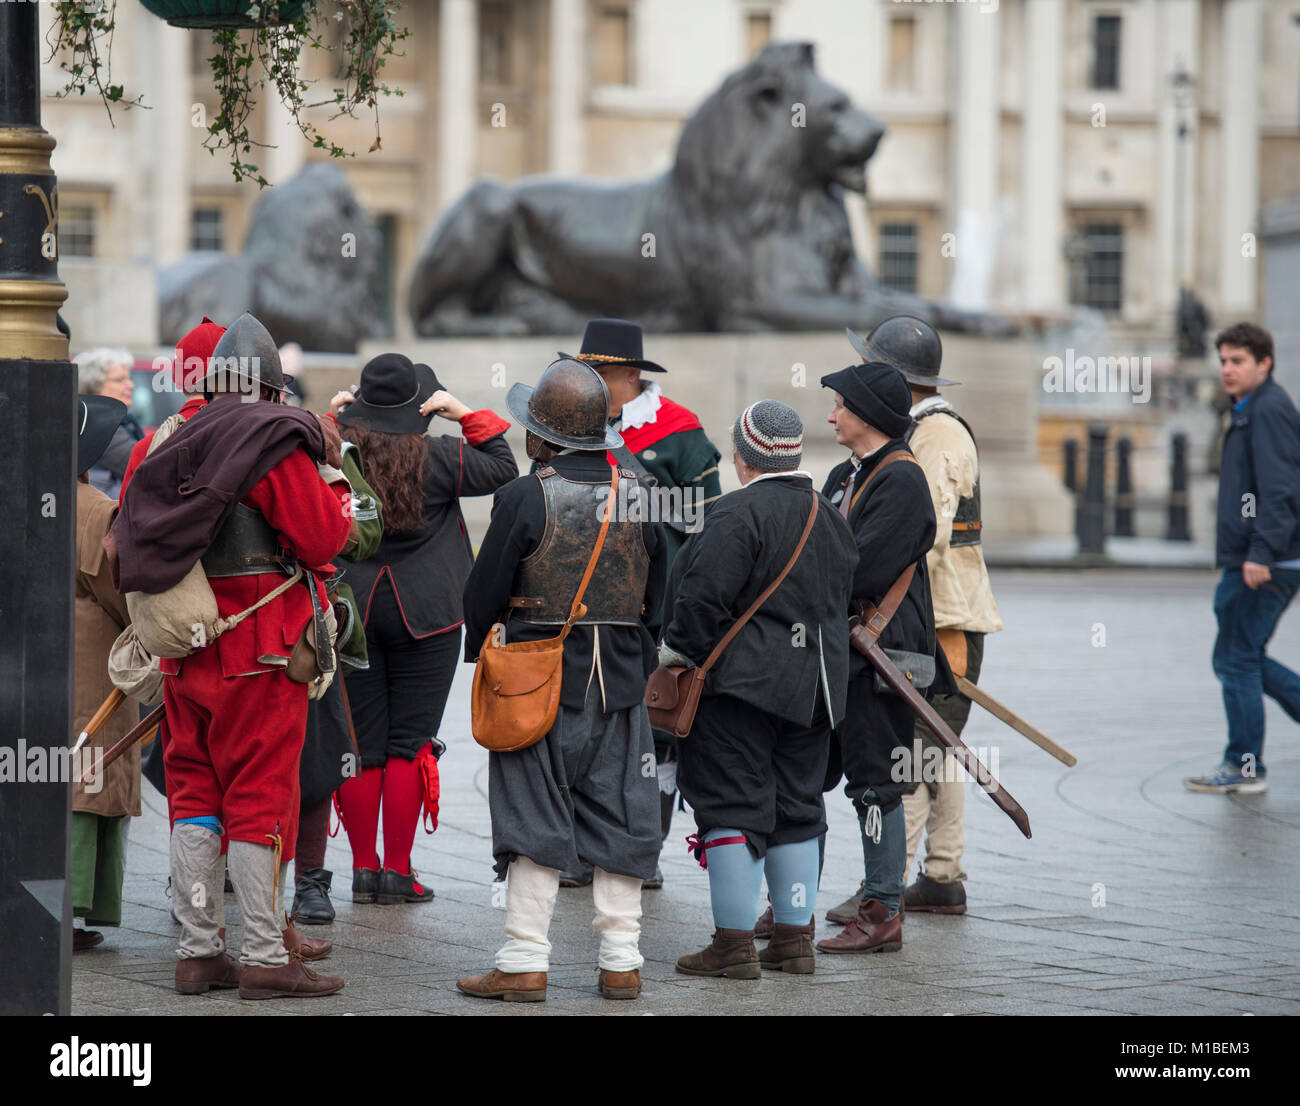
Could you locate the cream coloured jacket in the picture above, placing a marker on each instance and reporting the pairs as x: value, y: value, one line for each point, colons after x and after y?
x: 959, y: 582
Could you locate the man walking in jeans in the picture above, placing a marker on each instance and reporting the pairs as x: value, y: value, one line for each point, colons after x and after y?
x: 1258, y: 548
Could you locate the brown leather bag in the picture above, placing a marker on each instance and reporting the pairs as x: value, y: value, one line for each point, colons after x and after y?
x: 672, y: 695
x: 516, y: 690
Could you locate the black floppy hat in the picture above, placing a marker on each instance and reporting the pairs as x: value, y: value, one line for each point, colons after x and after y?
x: 98, y: 418
x: 876, y: 393
x: 389, y: 397
x: 613, y: 342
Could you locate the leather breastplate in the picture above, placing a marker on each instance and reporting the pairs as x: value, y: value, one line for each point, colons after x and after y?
x: 967, y: 525
x: 246, y: 545
x: 548, y: 578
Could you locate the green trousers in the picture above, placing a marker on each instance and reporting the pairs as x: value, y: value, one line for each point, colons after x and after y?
x: 97, y: 868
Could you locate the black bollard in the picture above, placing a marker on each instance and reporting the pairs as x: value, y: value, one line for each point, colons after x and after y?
x: 1072, y: 464
x: 1092, y: 510
x: 1178, y: 529
x: 1124, y: 490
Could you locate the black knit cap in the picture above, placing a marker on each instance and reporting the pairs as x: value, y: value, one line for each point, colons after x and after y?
x: 877, y: 394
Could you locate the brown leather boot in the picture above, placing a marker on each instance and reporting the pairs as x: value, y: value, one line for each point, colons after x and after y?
x: 732, y: 954
x: 843, y: 914
x: 791, y: 949
x: 308, y: 948
x: 507, y: 986
x: 201, y: 974
x: 763, y: 927
x: 619, y: 984
x: 291, y: 980
x: 871, y: 931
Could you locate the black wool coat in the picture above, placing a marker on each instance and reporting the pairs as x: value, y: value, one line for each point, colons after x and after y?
x: 776, y: 661
x: 627, y: 653
x: 428, y: 567
x: 893, y: 526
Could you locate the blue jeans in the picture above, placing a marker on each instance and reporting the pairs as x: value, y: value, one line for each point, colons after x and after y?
x: 886, y: 863
x: 1247, y: 620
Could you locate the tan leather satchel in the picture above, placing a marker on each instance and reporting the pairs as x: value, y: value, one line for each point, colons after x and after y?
x: 672, y: 694
x: 516, y: 690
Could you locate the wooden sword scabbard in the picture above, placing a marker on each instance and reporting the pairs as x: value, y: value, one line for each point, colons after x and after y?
x: 983, y: 698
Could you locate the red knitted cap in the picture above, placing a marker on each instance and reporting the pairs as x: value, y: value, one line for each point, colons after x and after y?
x: 195, y: 349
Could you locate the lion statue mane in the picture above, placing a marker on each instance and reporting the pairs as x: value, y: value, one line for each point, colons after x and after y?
x: 309, y: 269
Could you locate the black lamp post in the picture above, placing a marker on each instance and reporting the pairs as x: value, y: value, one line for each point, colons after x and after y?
x: 38, y: 497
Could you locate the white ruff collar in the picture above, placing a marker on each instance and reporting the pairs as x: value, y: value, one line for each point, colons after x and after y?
x: 645, y: 408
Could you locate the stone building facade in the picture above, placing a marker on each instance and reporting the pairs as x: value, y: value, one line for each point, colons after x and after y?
x: 1039, y: 152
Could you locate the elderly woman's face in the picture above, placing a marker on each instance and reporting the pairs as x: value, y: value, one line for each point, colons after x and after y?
x: 118, y: 384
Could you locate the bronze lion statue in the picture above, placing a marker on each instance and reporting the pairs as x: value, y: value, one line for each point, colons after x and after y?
x: 747, y: 231
x: 309, y: 269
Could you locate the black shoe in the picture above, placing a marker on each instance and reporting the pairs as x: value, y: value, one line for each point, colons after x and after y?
x: 365, y: 884
x: 926, y: 896
x: 311, y: 899
x: 395, y: 887
x: 655, y: 882
x: 581, y: 878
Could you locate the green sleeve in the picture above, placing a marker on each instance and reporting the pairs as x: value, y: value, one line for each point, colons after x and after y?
x: 367, y: 509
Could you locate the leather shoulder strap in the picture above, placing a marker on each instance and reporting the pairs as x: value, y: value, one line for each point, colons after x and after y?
x: 897, y: 455
x: 595, y: 553
x: 767, y: 591
x: 874, y: 618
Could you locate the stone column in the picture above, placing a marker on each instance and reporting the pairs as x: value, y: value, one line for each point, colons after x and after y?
x: 974, y: 144
x: 288, y: 152
x: 1041, y: 181
x: 1178, y: 35
x: 1239, y: 156
x: 172, y: 99
x: 457, y: 98
x: 567, y: 153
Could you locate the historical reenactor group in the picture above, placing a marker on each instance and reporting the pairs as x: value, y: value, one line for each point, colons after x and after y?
x: 289, y: 595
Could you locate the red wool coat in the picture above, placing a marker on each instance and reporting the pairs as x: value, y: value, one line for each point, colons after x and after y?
x: 235, y: 726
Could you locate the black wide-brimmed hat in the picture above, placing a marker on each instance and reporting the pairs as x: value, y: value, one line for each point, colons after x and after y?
x: 98, y: 418
x: 389, y: 397
x: 876, y: 393
x: 613, y: 342
x: 569, y: 407
x: 910, y: 345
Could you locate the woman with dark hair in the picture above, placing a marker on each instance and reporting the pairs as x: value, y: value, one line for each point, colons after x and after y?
x: 409, y: 596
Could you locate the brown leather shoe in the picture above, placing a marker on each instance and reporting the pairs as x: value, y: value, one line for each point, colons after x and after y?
x: 308, y: 948
x: 199, y: 975
x: 732, y: 954
x: 791, y: 950
x: 926, y: 896
x: 291, y: 980
x: 507, y: 986
x: 843, y: 914
x: 871, y: 931
x: 83, y: 939
x: 619, y: 984
x: 763, y: 927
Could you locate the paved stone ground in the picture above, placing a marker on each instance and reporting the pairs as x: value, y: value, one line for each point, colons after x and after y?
x: 1201, y: 910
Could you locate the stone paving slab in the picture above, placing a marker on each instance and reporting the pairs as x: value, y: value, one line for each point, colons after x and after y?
x: 1133, y: 897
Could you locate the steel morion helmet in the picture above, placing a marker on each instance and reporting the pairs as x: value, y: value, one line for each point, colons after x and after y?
x: 569, y: 407
x: 910, y: 344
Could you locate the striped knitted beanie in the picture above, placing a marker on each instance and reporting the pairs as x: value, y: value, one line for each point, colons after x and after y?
x: 769, y: 436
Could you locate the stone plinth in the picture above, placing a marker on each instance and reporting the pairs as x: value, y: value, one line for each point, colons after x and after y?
x: 716, y: 375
